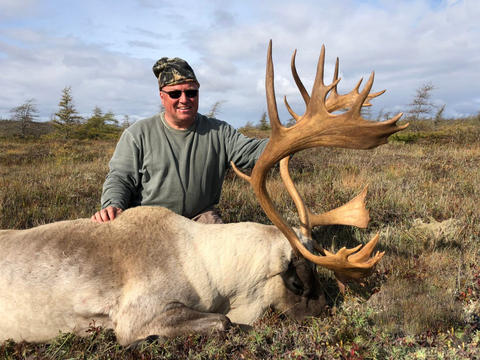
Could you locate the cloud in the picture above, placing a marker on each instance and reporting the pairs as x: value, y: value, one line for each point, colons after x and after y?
x: 18, y: 8
x: 107, y: 60
x: 406, y: 43
x: 150, y: 4
x: 142, y: 44
x: 81, y: 61
x: 97, y: 76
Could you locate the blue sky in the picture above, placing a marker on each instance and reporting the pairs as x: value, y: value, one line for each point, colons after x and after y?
x: 105, y: 51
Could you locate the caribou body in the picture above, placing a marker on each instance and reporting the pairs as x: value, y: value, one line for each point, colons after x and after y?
x: 152, y: 272
x: 149, y: 272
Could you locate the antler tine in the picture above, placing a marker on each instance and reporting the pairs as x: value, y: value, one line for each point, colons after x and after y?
x: 352, y: 213
x: 301, y: 88
x: 292, y: 113
x: 337, y: 102
x: 317, y: 127
x: 303, y: 91
x: 334, y: 94
x: 275, y: 123
x: 303, y: 212
x: 356, y: 106
x: 334, y: 101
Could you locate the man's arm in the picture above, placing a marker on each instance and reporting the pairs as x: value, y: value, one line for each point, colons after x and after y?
x: 242, y: 150
x: 122, y: 180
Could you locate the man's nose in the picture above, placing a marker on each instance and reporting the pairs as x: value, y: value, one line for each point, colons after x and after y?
x: 183, y: 97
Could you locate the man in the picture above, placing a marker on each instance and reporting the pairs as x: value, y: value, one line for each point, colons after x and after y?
x: 178, y: 158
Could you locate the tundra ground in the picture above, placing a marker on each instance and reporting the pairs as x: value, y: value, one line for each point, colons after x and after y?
x: 422, y: 302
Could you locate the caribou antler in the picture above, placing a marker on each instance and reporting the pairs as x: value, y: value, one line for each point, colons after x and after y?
x: 318, y: 127
x: 352, y: 213
x: 334, y: 101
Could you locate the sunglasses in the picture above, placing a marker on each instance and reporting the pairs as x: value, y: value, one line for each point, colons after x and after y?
x: 175, y: 94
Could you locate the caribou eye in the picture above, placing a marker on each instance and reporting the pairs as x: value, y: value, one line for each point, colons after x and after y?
x: 297, y: 287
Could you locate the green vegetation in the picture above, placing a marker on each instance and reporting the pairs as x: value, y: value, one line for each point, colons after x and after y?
x: 99, y: 126
x: 464, y: 131
x: 423, y: 301
x: 12, y: 129
x: 66, y: 120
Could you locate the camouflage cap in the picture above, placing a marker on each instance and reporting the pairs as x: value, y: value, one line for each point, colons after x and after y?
x: 173, y: 71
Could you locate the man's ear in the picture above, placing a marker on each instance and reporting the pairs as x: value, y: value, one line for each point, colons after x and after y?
x: 161, y: 97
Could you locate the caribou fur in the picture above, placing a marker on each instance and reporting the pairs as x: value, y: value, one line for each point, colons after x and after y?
x: 148, y: 272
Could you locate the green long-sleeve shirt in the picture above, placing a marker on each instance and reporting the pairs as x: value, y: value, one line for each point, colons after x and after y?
x: 182, y: 170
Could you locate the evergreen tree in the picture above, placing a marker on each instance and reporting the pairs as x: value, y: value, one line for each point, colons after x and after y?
x: 263, y: 123
x: 66, y: 119
x: 100, y: 125
x: 439, y: 115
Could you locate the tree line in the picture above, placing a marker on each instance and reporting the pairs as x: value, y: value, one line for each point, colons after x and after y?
x: 69, y: 124
x: 420, y: 108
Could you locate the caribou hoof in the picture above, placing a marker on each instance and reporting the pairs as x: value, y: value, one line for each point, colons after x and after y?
x: 149, y: 340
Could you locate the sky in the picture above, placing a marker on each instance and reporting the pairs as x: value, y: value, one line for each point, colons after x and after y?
x: 105, y: 50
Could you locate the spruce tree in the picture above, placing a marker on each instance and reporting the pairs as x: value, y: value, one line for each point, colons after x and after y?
x: 100, y: 125
x: 66, y: 119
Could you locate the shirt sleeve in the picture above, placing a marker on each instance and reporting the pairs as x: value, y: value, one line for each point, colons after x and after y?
x: 124, y: 177
x: 242, y: 150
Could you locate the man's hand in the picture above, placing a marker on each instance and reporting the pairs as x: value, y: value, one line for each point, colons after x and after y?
x: 106, y: 214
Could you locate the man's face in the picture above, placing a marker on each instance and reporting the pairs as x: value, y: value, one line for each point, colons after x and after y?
x: 180, y: 113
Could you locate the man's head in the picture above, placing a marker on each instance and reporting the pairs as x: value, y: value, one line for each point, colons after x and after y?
x: 178, y: 91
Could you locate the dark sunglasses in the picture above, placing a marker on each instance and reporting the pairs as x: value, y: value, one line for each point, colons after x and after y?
x: 175, y: 94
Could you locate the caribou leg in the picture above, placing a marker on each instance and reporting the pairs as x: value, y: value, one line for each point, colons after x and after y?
x: 175, y: 320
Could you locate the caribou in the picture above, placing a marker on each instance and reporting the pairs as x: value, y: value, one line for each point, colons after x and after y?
x: 151, y: 272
